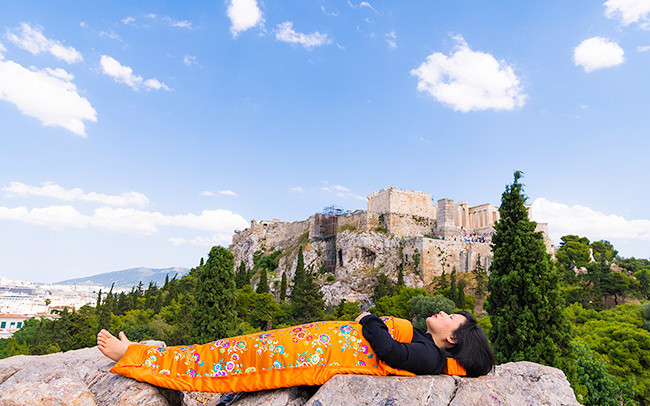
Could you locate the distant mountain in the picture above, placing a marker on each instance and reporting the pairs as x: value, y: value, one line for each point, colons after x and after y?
x: 129, y: 277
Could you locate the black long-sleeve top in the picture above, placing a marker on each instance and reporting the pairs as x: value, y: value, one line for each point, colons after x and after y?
x: 421, y: 356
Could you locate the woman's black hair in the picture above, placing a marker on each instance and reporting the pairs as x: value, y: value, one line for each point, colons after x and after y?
x: 472, y: 351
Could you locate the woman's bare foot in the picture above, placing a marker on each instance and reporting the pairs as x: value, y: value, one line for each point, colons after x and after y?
x: 110, y: 346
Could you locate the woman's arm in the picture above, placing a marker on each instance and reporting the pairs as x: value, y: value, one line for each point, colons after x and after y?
x: 420, y: 357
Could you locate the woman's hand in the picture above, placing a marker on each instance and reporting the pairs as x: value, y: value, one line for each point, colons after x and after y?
x: 361, y: 316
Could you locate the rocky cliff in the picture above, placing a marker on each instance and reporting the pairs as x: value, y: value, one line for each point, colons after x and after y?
x: 81, y: 377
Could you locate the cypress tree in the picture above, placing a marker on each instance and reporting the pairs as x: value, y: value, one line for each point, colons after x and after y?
x: 453, y: 288
x: 461, y: 302
x: 263, y: 284
x: 306, y: 297
x: 400, y: 278
x: 525, y: 306
x: 241, y: 277
x: 215, y: 312
x: 283, y: 287
x: 481, y: 278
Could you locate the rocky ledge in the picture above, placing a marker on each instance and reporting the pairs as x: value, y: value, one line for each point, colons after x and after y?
x: 81, y: 377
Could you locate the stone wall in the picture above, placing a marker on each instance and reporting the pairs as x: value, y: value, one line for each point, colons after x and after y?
x: 394, y: 200
x: 438, y: 255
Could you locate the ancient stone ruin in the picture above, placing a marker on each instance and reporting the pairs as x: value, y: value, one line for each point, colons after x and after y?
x: 399, y: 230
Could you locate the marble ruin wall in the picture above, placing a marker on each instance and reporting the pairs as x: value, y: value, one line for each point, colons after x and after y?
x: 438, y: 255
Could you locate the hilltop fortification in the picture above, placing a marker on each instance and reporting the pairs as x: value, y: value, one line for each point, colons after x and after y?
x: 400, y: 229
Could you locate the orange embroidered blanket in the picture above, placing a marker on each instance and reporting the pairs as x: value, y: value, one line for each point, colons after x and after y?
x: 308, y: 354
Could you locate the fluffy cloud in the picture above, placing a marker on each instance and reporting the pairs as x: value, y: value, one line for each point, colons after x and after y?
x: 32, y: 39
x: 215, y: 239
x: 629, y: 12
x: 128, y: 20
x: 227, y: 193
x: 643, y: 48
x: 207, y: 193
x: 597, y: 53
x: 50, y: 189
x: 284, y: 32
x: 221, y: 222
x: 124, y: 74
x: 54, y: 217
x: 243, y: 15
x: 180, y: 24
x: 2, y: 51
x: 189, y: 60
x: 48, y: 95
x: 470, y: 80
x: 390, y: 40
x: 581, y: 220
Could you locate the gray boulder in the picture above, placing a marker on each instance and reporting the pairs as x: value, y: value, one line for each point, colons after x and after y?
x: 81, y: 377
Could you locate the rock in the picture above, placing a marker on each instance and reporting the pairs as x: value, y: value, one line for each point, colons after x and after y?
x: 78, y: 377
x: 81, y: 377
x: 515, y: 383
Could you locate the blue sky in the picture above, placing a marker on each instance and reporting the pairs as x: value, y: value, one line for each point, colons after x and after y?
x: 142, y: 133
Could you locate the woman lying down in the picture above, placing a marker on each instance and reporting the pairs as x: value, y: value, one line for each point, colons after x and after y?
x: 309, y: 354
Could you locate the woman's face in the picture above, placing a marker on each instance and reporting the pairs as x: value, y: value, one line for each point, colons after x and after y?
x: 443, y: 325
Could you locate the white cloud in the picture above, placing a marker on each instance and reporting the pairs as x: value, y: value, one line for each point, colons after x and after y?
x: 32, y: 40
x: 215, y: 239
x: 334, y: 13
x: 48, y: 95
x: 221, y: 222
x: 470, y: 80
x: 629, y: 12
x: 180, y: 24
x: 83, y: 24
x: 112, y: 35
x: 227, y: 193
x: 366, y: 4
x: 207, y: 193
x: 54, y: 217
x: 643, y: 48
x: 189, y: 60
x: 340, y: 188
x: 2, y: 51
x: 581, y: 220
x: 151, y: 16
x: 243, y: 15
x: 296, y: 189
x: 597, y: 53
x: 155, y: 84
x: 284, y: 32
x: 390, y: 40
x: 124, y: 74
x: 128, y: 21
x: 50, y: 189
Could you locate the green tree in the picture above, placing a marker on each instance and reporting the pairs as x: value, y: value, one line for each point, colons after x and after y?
x: 480, y: 276
x: 384, y: 287
x: 525, y: 306
x: 241, y: 277
x: 461, y: 303
x: 400, y: 278
x: 423, y: 306
x: 263, y: 284
x: 643, y: 276
x: 283, y: 287
x: 306, y: 297
x: 603, y: 250
x: 600, y: 387
x: 453, y: 287
x: 215, y: 314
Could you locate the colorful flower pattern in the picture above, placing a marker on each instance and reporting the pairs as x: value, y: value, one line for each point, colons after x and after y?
x: 331, y: 343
